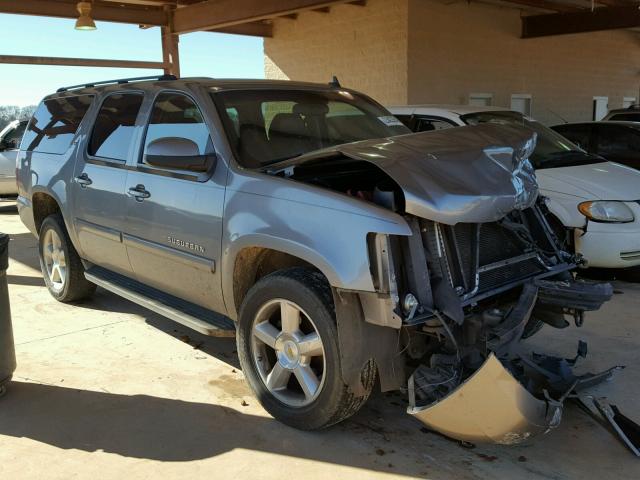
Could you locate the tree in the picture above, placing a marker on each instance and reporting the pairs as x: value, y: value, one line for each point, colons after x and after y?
x: 9, y: 113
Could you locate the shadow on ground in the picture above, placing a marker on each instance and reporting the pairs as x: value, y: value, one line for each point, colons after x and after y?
x: 147, y: 427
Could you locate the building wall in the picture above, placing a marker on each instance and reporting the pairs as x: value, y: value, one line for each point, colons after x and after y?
x: 365, y: 47
x: 458, y: 49
x: 426, y: 51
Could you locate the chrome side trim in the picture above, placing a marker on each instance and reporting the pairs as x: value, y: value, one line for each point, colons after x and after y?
x: 99, y: 230
x: 170, y: 253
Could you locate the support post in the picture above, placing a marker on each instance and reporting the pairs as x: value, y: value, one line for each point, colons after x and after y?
x: 170, y: 47
x: 7, y: 347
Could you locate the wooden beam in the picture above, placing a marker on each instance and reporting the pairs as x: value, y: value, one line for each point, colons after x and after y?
x: 253, y: 29
x: 214, y: 14
x: 615, y: 3
x: 78, y: 62
x: 547, y: 5
x: 604, y: 18
x: 139, y: 15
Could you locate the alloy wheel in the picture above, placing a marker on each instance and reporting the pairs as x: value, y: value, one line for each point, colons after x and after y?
x: 288, y: 353
x: 54, y: 259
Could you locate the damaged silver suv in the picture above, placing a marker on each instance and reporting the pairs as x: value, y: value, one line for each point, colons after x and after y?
x: 337, y: 246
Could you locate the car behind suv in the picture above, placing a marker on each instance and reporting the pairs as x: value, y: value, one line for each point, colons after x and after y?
x: 309, y: 222
x: 9, y: 141
x: 593, y: 203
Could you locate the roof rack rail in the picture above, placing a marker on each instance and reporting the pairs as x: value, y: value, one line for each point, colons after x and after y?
x: 119, y: 81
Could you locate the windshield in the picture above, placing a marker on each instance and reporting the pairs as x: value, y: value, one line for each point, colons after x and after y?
x: 268, y: 126
x: 552, y: 149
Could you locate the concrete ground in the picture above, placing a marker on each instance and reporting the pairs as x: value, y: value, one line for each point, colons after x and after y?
x: 106, y: 389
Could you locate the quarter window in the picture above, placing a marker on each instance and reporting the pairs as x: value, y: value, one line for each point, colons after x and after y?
x: 54, y: 124
x: 114, y: 127
x: 176, y: 116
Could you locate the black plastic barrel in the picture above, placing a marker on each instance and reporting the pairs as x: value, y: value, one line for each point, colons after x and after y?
x: 7, y: 347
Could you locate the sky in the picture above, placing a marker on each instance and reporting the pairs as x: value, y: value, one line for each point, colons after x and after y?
x: 201, y: 54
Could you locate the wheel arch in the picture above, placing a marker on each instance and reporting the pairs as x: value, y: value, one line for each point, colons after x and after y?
x: 44, y: 204
x: 258, y: 258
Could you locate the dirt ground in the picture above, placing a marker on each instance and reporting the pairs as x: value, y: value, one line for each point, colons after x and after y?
x: 107, y: 389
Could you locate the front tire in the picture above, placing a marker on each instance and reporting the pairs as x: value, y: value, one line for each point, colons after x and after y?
x: 289, y: 351
x: 60, y: 263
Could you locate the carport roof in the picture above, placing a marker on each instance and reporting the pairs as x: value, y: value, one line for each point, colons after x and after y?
x: 254, y: 17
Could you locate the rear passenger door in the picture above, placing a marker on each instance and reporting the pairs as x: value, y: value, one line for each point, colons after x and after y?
x: 174, y: 204
x: 99, y: 182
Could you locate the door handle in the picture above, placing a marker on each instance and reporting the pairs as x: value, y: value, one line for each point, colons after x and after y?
x: 139, y: 192
x: 84, y: 180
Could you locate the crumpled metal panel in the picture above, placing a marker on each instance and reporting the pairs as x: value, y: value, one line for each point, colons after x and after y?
x: 472, y: 174
x: 490, y: 406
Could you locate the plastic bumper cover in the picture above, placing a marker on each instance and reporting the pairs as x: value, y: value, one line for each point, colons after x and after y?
x: 490, y: 406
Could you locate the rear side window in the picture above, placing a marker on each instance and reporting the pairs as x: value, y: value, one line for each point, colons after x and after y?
x: 54, y: 124
x: 114, y: 126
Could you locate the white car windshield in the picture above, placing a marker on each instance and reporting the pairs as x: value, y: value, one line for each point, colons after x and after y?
x: 552, y: 149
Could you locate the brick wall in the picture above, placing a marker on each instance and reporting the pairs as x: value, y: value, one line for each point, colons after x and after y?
x: 424, y: 51
x: 365, y: 47
x: 464, y: 48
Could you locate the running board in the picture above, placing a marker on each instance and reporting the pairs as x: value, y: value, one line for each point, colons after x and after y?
x: 197, y: 318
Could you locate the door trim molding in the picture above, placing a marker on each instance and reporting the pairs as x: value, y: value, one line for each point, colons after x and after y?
x: 105, y: 232
x: 197, y: 261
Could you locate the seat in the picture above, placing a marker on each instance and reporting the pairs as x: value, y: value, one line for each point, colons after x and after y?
x: 289, y: 136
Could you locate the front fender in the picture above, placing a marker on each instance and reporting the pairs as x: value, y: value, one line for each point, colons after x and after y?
x: 565, y: 208
x: 329, y: 232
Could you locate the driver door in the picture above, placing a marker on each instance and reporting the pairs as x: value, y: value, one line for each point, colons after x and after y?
x: 173, y: 230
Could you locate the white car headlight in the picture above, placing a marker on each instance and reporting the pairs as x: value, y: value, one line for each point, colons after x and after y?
x: 606, y: 211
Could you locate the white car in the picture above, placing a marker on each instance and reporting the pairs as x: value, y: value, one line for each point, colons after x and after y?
x: 598, y: 202
x: 10, y: 138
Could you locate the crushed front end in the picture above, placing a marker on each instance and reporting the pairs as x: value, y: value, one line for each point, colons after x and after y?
x: 481, y: 271
x: 489, y: 286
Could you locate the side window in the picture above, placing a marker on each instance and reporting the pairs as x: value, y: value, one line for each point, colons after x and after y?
x: 616, y: 142
x: 578, y: 134
x: 407, y: 120
x: 628, y: 117
x: 177, y: 129
x: 429, y: 124
x: 232, y: 113
x: 54, y: 124
x: 114, y: 127
x: 11, y: 139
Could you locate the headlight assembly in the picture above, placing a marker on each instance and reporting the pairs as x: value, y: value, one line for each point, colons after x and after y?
x: 606, y: 211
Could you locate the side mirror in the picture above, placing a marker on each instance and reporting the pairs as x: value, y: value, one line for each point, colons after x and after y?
x: 177, y: 153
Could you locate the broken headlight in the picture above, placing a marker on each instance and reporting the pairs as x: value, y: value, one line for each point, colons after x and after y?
x: 606, y: 211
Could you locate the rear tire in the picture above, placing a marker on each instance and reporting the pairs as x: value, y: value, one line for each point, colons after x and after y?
x: 60, y: 263
x: 275, y: 354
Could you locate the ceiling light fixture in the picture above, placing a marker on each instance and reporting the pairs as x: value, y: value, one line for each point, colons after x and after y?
x: 85, y: 22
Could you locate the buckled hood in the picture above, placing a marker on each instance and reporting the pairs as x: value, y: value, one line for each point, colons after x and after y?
x: 470, y: 174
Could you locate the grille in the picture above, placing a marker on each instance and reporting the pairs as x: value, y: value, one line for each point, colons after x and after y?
x: 481, y: 257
